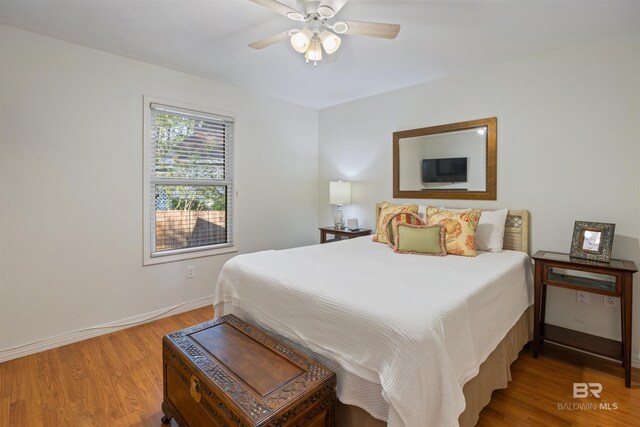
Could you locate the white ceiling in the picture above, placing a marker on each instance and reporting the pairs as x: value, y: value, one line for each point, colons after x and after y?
x: 209, y: 38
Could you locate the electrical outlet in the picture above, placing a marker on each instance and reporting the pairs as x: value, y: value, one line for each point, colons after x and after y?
x: 191, y: 272
x: 582, y: 297
x: 610, y: 301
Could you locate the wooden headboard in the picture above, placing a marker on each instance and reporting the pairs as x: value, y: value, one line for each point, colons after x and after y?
x: 516, y: 231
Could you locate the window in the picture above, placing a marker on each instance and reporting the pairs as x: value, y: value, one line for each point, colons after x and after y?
x: 188, y: 183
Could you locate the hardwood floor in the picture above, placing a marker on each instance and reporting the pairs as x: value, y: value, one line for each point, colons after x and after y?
x: 541, y: 392
x: 111, y: 380
x: 116, y: 380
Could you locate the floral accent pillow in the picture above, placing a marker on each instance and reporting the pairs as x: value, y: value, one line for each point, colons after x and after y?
x: 387, y: 210
x: 402, y: 217
x: 460, y: 229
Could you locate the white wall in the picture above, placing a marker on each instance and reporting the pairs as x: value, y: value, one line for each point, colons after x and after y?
x: 568, y: 149
x: 71, y: 185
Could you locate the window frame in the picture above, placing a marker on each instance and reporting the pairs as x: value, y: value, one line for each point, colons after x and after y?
x: 150, y: 258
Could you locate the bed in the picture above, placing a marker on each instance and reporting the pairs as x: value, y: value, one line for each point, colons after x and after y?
x: 414, y: 340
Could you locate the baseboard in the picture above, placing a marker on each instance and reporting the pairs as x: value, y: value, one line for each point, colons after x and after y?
x: 94, y: 331
x: 635, y: 361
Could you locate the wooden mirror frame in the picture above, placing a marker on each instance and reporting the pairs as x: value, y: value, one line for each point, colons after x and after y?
x: 490, y: 175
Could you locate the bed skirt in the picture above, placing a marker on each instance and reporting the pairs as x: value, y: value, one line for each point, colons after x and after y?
x: 494, y: 374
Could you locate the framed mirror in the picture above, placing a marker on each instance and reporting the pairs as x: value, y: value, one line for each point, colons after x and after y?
x: 453, y: 161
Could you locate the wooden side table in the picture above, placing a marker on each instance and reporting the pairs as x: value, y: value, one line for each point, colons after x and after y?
x: 341, y: 234
x: 614, y: 278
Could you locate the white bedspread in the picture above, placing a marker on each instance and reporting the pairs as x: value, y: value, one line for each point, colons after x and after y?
x: 419, y: 326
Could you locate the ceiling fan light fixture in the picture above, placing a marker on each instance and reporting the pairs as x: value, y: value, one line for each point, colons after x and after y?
x: 318, y: 34
x: 330, y: 42
x: 326, y: 11
x: 340, y: 27
x: 296, y: 16
x: 300, y: 40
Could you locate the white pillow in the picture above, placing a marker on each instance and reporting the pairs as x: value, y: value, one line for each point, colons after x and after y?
x: 490, y: 231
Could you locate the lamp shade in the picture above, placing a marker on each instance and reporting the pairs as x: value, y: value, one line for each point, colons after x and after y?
x: 301, y: 40
x: 330, y: 41
x: 314, y: 53
x: 339, y: 193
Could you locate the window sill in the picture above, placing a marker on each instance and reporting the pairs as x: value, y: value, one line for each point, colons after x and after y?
x: 161, y: 259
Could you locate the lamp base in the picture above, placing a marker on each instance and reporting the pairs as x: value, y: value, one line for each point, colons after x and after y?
x: 338, y: 220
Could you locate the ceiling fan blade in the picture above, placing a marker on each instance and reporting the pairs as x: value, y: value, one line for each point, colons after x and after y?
x: 266, y: 42
x: 276, y: 6
x: 336, y: 5
x: 373, y: 29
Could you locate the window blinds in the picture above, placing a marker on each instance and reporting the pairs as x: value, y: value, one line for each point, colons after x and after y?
x: 191, y: 180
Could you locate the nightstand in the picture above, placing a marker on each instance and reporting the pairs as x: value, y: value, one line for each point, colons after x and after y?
x: 341, y: 234
x: 614, y: 278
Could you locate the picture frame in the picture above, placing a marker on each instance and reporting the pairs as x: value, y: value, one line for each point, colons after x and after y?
x: 592, y: 240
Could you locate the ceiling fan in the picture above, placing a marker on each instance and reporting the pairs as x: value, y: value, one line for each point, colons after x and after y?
x: 317, y: 33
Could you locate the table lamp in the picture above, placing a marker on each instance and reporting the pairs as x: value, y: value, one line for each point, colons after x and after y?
x: 339, y: 194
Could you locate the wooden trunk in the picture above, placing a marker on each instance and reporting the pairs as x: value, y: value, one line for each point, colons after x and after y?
x: 226, y: 372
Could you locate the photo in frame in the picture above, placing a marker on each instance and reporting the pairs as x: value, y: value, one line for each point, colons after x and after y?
x: 592, y: 240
